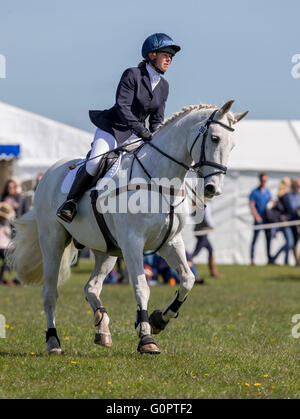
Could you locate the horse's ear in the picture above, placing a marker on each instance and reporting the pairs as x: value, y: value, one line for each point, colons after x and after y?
x: 225, y: 108
x: 239, y: 116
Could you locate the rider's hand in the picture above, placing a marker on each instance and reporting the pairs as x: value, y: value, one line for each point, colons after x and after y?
x: 146, y: 135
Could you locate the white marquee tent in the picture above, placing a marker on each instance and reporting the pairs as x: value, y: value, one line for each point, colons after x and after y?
x: 42, y: 141
x: 261, y: 145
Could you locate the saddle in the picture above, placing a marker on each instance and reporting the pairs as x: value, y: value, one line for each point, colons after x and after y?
x: 106, y: 163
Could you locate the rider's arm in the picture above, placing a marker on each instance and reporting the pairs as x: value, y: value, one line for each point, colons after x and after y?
x: 254, y: 211
x: 124, y: 99
x: 157, y: 117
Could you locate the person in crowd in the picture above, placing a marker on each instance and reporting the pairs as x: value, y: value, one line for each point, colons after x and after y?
x: 292, y: 204
x: 281, y: 213
x: 12, y: 195
x: 203, y: 241
x: 259, y: 199
x: 7, y: 213
x: 37, y: 180
x: 155, y: 265
x: 142, y: 93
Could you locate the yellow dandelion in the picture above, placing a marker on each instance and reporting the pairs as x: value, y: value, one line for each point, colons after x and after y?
x: 273, y: 387
x: 7, y: 326
x: 73, y: 362
x: 206, y: 375
x: 247, y: 384
x: 109, y: 382
x: 257, y: 384
x: 66, y: 338
x: 266, y: 375
x: 32, y: 353
x: 165, y: 383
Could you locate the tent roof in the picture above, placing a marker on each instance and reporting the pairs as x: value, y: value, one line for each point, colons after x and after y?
x: 269, y: 145
x: 42, y: 141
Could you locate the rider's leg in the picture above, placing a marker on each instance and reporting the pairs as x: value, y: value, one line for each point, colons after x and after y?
x: 102, y: 143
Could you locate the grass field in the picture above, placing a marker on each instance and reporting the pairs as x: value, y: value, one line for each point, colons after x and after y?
x: 233, y: 339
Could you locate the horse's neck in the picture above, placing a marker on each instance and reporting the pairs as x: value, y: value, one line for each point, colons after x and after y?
x: 173, y: 140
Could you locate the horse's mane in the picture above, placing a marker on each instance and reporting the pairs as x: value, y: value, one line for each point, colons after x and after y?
x: 184, y: 110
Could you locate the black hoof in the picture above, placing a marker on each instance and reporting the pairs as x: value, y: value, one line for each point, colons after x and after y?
x: 157, y: 322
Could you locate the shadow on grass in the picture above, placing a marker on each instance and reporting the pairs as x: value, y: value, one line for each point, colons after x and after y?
x: 284, y: 277
x: 22, y: 355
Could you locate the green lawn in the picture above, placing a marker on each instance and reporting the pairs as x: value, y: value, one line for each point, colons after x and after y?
x: 232, y: 340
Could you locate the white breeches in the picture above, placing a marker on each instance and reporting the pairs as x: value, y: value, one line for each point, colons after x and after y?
x: 103, y: 142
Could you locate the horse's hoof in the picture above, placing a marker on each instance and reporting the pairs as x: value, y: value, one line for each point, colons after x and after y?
x: 156, y: 322
x: 55, y: 351
x: 148, y: 345
x: 53, y: 345
x: 149, y: 349
x: 103, y: 339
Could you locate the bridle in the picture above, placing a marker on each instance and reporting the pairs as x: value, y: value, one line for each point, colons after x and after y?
x: 203, y: 130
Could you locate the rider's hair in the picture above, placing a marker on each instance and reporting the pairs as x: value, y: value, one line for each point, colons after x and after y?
x: 142, y: 64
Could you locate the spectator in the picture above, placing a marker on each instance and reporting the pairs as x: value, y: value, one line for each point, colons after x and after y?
x: 259, y: 199
x: 37, y: 180
x: 6, y: 214
x: 282, y: 209
x: 292, y: 204
x: 12, y: 195
x: 155, y: 265
x: 203, y: 241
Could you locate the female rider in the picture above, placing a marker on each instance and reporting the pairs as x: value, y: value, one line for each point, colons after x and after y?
x: 141, y: 93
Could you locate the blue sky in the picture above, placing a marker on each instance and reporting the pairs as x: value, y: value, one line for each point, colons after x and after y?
x: 66, y: 57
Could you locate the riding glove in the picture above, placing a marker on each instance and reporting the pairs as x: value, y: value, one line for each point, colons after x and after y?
x: 146, y: 135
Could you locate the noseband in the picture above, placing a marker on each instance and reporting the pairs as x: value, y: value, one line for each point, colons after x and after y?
x: 203, y: 130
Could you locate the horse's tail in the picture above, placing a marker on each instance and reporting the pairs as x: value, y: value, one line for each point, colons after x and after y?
x: 24, y: 255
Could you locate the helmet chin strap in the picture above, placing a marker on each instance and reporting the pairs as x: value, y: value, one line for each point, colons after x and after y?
x: 153, y: 62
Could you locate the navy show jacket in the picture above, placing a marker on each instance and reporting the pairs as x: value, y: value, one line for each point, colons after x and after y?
x: 135, y: 101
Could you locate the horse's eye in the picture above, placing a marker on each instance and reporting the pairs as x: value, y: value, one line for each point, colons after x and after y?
x: 215, y: 138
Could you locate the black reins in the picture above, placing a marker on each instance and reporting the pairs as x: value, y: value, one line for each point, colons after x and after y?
x: 203, y: 130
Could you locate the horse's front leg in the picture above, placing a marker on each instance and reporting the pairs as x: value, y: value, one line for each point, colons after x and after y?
x: 174, y: 254
x: 103, y: 266
x: 133, y: 257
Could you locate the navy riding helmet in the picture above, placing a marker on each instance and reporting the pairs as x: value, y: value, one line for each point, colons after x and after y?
x: 159, y: 42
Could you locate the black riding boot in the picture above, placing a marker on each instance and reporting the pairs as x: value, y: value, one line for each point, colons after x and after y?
x: 82, y: 182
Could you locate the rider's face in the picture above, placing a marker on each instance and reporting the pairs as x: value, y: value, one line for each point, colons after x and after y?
x: 163, y: 60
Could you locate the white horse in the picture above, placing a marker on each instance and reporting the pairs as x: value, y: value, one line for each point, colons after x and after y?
x: 44, y: 245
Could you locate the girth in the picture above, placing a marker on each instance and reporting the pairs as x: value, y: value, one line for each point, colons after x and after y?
x: 111, y: 244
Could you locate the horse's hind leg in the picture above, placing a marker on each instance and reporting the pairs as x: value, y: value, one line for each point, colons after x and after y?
x: 174, y: 254
x: 53, y: 240
x: 103, y: 266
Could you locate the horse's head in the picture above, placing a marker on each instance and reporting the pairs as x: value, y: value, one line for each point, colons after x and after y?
x: 210, y: 150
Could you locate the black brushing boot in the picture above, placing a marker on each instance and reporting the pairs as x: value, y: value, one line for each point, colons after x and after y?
x: 82, y: 182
